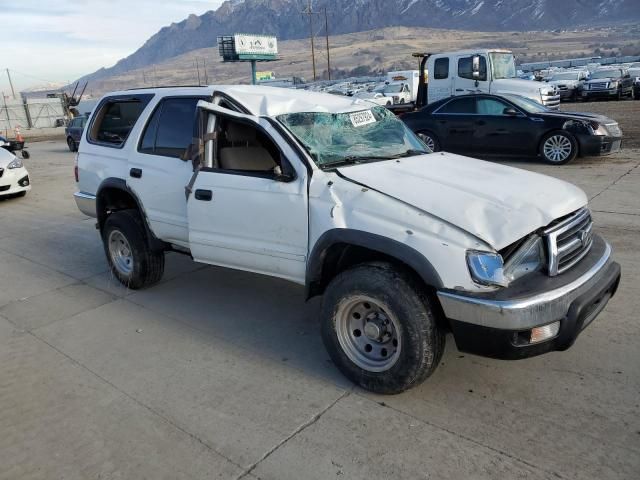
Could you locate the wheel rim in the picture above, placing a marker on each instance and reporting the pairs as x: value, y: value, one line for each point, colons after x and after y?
x: 120, y: 253
x: 368, y: 333
x: 557, y: 148
x: 428, y: 141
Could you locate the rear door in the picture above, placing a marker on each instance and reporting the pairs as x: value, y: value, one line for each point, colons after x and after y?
x: 440, y: 81
x: 455, y: 123
x: 159, y: 169
x: 248, y: 208
x: 498, y: 133
x: 464, y: 81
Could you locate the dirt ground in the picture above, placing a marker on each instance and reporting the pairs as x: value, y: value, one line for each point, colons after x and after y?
x: 625, y: 112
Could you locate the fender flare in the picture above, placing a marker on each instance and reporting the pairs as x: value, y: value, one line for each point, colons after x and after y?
x: 387, y: 246
x: 120, y: 184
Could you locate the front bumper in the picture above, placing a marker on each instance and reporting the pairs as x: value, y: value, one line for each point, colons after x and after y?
x: 605, y: 93
x: 595, y: 145
x: 492, y: 325
x: 13, y: 181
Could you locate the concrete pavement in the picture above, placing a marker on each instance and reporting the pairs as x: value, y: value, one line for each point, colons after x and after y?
x: 221, y: 374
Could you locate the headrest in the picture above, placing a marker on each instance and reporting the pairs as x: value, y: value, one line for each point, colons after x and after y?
x: 240, y: 132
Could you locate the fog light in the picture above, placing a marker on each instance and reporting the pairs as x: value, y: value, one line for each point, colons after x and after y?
x: 540, y: 334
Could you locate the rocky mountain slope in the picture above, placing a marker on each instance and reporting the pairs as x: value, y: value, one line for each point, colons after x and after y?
x: 284, y: 19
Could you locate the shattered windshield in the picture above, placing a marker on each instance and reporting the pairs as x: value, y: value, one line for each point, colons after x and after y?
x: 503, y: 65
x: 354, y: 137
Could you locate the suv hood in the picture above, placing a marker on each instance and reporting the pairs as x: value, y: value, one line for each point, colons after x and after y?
x: 498, y: 204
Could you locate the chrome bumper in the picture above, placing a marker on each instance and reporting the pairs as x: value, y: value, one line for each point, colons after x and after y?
x: 86, y: 203
x: 524, y: 312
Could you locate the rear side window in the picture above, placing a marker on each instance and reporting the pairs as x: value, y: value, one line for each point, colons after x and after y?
x: 459, y: 106
x: 116, y: 118
x: 170, y: 129
x: 465, y: 68
x: 441, y: 68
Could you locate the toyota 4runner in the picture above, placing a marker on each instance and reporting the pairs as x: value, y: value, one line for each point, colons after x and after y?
x: 338, y: 195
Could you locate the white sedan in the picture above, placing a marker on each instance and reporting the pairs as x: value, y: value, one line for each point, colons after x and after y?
x: 14, y: 178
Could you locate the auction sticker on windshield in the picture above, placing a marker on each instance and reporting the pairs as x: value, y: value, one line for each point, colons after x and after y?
x: 358, y: 119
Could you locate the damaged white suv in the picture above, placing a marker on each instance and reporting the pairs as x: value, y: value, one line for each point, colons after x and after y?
x: 338, y: 195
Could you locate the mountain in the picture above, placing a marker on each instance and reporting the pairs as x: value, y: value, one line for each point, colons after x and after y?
x: 284, y: 19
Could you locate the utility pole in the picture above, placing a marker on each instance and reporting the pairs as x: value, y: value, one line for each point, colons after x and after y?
x: 198, y: 69
x: 204, y: 67
x: 309, y: 11
x: 326, y: 33
x: 13, y: 92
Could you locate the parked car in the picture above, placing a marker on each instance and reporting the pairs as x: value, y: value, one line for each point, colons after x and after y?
x: 14, y: 178
x: 635, y: 76
x: 397, y: 92
x: 375, y: 97
x: 73, y: 132
x: 485, y: 124
x: 569, y: 84
x: 340, y: 196
x: 609, y: 83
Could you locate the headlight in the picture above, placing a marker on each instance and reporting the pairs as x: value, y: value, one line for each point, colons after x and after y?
x: 486, y: 268
x: 597, y: 129
x: 529, y: 257
x: 16, y: 163
x: 613, y: 84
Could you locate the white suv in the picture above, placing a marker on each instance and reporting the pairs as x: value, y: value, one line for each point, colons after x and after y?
x: 340, y: 196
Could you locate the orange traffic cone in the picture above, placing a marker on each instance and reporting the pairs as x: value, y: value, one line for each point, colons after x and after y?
x: 19, y: 137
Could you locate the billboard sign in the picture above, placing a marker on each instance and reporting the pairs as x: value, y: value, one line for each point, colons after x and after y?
x: 261, y: 46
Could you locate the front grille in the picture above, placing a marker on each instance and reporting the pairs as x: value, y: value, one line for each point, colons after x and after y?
x: 568, y: 241
x: 598, y: 86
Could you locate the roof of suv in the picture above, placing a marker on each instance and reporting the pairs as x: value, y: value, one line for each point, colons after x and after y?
x: 268, y: 101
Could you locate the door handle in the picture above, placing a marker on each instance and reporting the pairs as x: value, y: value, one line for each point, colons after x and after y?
x: 135, y: 172
x: 204, y: 195
x: 459, y: 90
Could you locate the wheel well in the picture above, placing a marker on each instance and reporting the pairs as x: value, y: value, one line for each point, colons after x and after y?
x: 343, y: 256
x: 111, y: 199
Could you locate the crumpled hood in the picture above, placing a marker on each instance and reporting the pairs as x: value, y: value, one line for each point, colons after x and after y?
x: 496, y: 203
x: 579, y: 116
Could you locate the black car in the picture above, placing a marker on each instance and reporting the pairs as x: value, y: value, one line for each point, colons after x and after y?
x: 73, y: 132
x: 608, y: 83
x: 486, y: 125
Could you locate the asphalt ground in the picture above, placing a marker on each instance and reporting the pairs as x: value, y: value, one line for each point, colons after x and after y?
x: 215, y: 373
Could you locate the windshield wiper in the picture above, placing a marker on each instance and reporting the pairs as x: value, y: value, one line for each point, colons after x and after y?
x: 356, y: 159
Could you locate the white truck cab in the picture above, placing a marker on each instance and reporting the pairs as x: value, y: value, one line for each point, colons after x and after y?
x: 488, y: 71
x: 338, y: 195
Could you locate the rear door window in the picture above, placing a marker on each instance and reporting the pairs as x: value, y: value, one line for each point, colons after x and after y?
x: 459, y: 106
x: 116, y: 118
x: 441, y: 68
x: 170, y: 129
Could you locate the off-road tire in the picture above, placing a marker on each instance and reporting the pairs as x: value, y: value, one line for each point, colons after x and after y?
x: 422, y: 339
x: 147, y: 265
x: 574, y: 147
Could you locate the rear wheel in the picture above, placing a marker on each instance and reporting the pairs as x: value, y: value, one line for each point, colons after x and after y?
x: 379, y: 329
x: 430, y: 140
x: 558, y: 148
x: 131, y: 260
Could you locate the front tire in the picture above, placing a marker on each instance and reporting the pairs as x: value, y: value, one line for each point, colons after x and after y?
x: 131, y: 260
x: 380, y: 329
x: 558, y: 148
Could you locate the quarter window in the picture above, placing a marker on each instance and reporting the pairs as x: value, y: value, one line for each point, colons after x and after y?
x: 465, y: 68
x: 441, y: 68
x: 116, y: 118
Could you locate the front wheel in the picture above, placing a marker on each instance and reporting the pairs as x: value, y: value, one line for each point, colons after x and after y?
x: 131, y: 260
x: 380, y: 329
x: 430, y: 140
x: 558, y: 148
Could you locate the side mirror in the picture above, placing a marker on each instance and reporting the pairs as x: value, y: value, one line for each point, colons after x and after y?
x: 475, y: 66
x: 280, y: 176
x: 510, y: 111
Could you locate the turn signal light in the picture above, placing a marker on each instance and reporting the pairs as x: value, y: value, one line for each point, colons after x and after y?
x: 540, y: 334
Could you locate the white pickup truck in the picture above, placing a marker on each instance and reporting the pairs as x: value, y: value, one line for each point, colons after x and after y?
x: 340, y: 196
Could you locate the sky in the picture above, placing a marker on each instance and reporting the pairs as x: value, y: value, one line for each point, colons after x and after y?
x: 61, y: 40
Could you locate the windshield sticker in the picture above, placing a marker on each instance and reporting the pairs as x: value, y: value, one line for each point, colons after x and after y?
x: 358, y: 119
